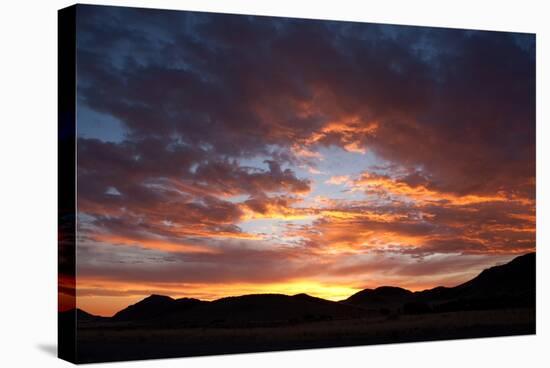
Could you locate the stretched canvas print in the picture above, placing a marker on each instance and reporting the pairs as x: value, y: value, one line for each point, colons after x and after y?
x: 233, y: 183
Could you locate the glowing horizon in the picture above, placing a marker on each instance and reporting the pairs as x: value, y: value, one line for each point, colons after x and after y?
x: 108, y: 305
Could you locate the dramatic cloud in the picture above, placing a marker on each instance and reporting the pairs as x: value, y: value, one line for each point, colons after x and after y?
x: 222, y: 154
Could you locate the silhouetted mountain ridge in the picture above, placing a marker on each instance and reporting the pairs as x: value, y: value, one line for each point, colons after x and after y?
x: 380, y: 296
x: 155, y: 306
x: 506, y: 286
x: 267, y: 309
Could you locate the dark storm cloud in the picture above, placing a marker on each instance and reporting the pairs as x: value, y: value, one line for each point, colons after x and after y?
x: 460, y: 104
x: 230, y: 178
x: 123, y: 165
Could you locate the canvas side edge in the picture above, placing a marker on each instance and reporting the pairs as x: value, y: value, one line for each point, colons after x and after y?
x: 66, y: 174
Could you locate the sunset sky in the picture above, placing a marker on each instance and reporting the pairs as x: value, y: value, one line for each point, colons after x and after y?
x: 225, y: 155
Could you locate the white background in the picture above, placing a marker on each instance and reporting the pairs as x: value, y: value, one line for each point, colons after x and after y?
x: 28, y: 182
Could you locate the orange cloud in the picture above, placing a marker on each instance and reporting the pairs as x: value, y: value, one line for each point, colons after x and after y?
x: 347, y: 126
x: 154, y: 244
x: 279, y: 208
x: 350, y: 132
x: 338, y: 180
x: 420, y: 193
x: 302, y: 151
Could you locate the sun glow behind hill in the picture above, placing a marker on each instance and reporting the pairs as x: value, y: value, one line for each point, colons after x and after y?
x: 108, y: 305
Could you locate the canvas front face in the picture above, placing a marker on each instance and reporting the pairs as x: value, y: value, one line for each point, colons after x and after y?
x: 247, y: 183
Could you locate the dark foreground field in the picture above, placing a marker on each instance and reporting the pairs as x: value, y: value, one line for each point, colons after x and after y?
x: 108, y: 343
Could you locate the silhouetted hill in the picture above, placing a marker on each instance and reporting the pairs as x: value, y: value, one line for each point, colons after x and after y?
x: 241, y: 311
x: 505, y: 286
x: 246, y: 310
x: 255, y: 309
x: 514, y: 278
x: 261, y: 310
x: 383, y: 296
x: 155, y: 306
